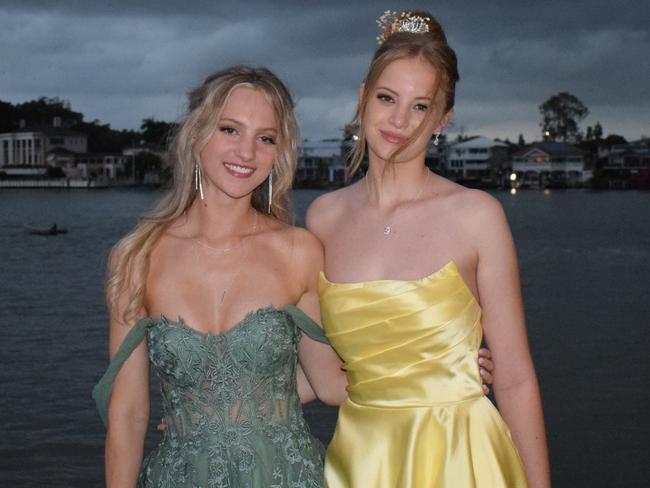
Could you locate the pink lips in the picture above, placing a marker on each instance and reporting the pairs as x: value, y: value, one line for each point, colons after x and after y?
x: 391, y: 137
x: 239, y: 170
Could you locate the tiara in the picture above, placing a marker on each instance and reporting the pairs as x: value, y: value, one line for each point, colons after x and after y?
x: 390, y: 23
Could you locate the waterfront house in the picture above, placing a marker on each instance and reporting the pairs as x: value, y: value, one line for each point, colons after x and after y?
x: 152, y: 174
x: 320, y: 163
x: 62, y: 158
x: 555, y: 164
x: 146, y: 147
x: 625, y: 166
x: 480, y: 159
x: 28, y: 146
x: 629, y: 157
x: 103, y: 166
x: 51, y: 152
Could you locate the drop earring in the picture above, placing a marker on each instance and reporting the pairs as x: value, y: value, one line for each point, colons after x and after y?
x: 270, y: 190
x: 198, y: 185
x: 436, y: 141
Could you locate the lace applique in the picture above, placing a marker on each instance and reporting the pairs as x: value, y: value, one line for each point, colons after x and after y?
x: 231, y: 406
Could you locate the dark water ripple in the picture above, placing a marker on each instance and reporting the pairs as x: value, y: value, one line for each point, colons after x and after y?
x: 585, y: 262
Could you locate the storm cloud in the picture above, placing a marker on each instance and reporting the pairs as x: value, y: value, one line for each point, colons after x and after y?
x: 121, y: 61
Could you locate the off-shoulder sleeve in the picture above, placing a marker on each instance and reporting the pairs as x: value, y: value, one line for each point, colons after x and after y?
x: 305, y: 324
x: 103, y: 388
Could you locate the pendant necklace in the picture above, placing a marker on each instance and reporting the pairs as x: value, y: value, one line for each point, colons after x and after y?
x: 388, y: 229
x: 216, y: 249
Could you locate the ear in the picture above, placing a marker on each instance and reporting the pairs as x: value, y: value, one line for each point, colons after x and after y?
x: 444, y: 122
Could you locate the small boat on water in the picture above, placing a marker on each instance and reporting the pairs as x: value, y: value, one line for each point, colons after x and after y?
x: 52, y: 230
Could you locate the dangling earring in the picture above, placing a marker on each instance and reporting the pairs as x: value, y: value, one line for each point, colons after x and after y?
x: 198, y: 186
x: 270, y: 190
x: 436, y: 141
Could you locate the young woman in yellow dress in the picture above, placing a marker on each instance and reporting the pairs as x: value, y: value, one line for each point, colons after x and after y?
x: 417, y: 268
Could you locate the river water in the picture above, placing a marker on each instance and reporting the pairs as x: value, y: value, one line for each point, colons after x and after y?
x: 585, y: 264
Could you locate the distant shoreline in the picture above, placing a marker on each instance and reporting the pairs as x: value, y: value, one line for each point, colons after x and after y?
x: 90, y: 184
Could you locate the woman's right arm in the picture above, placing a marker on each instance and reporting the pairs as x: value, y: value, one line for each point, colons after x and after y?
x: 128, y: 410
x: 515, y: 383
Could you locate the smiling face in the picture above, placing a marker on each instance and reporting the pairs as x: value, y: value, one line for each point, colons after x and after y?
x: 239, y: 155
x: 405, y: 96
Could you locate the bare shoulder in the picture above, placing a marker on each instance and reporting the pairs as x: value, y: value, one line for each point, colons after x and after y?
x: 293, y: 242
x: 476, y: 207
x: 326, y: 210
x: 308, y: 250
x: 301, y: 241
x: 296, y: 251
x: 173, y: 239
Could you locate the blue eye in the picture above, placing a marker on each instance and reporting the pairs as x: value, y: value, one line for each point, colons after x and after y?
x: 385, y: 98
x: 227, y: 130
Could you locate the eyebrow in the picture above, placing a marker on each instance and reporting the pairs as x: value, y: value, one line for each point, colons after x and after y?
x: 237, y: 122
x: 428, y: 98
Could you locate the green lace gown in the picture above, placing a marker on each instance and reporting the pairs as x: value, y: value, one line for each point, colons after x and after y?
x: 230, y: 403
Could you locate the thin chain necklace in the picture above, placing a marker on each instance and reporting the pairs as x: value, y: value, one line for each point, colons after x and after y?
x: 388, y: 229
x: 224, y: 250
x: 243, y: 257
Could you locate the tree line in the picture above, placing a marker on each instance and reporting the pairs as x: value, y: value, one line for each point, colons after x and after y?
x: 101, y: 137
x: 561, y: 117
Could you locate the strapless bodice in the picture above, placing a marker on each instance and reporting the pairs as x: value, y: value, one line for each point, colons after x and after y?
x: 230, y: 402
x: 406, y: 342
x: 415, y: 416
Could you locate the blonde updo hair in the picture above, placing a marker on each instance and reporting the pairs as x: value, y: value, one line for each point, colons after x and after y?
x: 431, y: 47
x: 130, y: 256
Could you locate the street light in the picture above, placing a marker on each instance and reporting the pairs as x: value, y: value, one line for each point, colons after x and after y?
x: 513, y: 177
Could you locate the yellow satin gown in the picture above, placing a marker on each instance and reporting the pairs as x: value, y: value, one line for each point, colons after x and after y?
x: 415, y: 416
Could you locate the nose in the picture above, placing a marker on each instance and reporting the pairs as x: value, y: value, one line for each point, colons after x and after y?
x: 246, y: 148
x: 399, y: 116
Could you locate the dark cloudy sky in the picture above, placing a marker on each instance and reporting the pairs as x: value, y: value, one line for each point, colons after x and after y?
x: 121, y: 61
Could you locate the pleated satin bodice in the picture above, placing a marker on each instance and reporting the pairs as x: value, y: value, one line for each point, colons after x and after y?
x: 415, y: 416
x: 406, y: 343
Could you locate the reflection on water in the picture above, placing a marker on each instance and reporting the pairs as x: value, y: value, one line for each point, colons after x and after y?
x: 584, y: 258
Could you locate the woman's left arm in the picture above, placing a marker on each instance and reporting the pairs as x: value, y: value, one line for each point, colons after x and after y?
x: 515, y: 384
x: 319, y: 363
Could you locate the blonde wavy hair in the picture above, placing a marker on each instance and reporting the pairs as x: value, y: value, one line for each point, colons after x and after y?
x: 432, y: 47
x: 129, y: 258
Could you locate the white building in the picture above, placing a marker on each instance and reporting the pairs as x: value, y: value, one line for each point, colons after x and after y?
x: 99, y: 165
x: 550, y: 163
x: 318, y: 160
x: 34, y: 151
x: 475, y: 158
x: 29, y: 146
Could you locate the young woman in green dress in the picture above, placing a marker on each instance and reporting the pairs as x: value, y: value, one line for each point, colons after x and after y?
x: 221, y: 288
